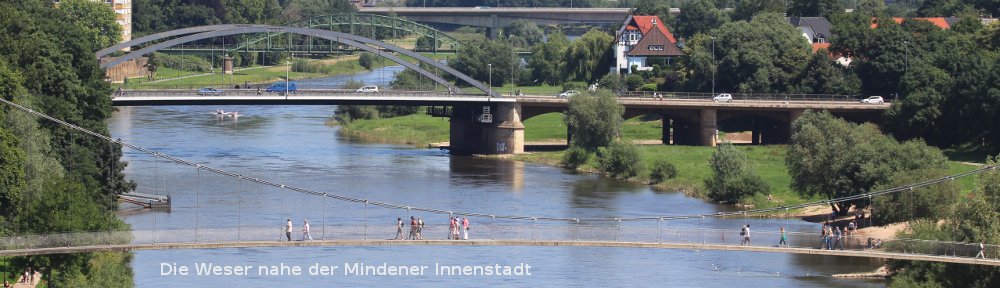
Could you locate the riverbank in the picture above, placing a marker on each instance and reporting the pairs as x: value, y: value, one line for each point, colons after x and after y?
x: 691, y: 161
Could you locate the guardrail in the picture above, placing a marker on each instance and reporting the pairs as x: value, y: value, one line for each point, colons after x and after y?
x: 299, y: 92
x: 630, y: 232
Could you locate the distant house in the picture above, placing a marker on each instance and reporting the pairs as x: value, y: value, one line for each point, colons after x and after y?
x: 643, y: 41
x: 816, y: 30
x: 943, y: 23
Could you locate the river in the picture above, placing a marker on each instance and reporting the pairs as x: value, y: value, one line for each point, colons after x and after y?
x: 294, y: 145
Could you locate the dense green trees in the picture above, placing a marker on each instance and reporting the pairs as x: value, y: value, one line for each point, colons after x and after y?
x: 594, y: 120
x: 486, y: 60
x: 732, y: 176
x: 95, y: 18
x: 830, y: 157
x: 523, y: 33
x: 547, y: 62
x: 67, y: 181
x: 814, y: 8
x: 762, y: 55
x: 699, y: 17
x: 588, y: 58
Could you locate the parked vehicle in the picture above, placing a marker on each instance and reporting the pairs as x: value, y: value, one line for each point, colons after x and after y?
x: 724, y: 97
x: 873, y: 100
x: 280, y: 87
x: 208, y: 91
x: 367, y: 89
x: 568, y: 93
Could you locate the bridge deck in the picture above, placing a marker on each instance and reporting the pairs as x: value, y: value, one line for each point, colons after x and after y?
x: 546, y: 243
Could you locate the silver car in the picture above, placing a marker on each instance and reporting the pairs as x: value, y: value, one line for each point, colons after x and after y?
x: 724, y: 97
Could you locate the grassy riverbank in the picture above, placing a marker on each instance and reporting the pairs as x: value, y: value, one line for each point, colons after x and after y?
x: 691, y: 161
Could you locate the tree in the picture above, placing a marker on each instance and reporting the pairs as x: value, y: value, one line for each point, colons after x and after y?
x: 815, y: 8
x: 832, y: 158
x: 367, y: 60
x: 486, y: 61
x: 662, y: 170
x: 620, y: 160
x: 930, y: 203
x: 746, y: 10
x: 295, y: 10
x: 588, y: 58
x: 526, y: 30
x: 95, y: 18
x: 698, y: 17
x: 940, y: 8
x: 547, y: 62
x: 594, y: 120
x: 732, y: 176
x: 151, y: 63
x: 250, y: 11
x: 822, y: 75
x: 763, y: 55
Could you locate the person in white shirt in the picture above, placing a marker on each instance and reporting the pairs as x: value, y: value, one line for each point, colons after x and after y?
x: 288, y: 229
x: 305, y: 230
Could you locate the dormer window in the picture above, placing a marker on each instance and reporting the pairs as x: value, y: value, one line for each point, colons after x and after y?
x: 655, y: 47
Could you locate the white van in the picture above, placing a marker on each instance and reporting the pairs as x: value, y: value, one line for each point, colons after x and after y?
x: 367, y: 89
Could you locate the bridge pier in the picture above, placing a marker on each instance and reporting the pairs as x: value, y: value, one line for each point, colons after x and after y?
x: 487, y: 128
x: 708, y: 128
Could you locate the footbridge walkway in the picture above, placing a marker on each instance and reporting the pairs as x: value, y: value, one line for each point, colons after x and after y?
x: 628, y: 235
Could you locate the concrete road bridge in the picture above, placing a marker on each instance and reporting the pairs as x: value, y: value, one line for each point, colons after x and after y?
x: 493, y: 125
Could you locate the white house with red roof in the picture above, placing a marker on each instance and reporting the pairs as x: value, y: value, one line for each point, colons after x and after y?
x: 643, y: 41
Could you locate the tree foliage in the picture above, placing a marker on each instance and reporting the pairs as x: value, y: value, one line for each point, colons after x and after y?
x: 548, y: 62
x: 833, y: 158
x: 620, y: 160
x: 594, y: 119
x: 526, y: 31
x: 732, y: 176
x: 930, y: 203
x: 486, y: 61
x: 575, y: 156
x: 588, y: 58
x: 814, y: 8
x: 698, y: 17
x: 95, y: 18
x: 662, y: 170
x: 763, y: 55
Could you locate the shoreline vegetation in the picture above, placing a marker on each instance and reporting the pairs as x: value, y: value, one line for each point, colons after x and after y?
x: 692, y: 162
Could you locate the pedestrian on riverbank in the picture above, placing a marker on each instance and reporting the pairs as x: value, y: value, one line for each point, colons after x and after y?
x: 829, y: 237
x: 982, y: 250
x: 745, y: 235
x: 822, y: 236
x: 399, y: 229
x: 454, y: 228
x: 288, y: 229
x: 465, y: 228
x: 851, y: 227
x: 305, y: 230
x: 783, y: 242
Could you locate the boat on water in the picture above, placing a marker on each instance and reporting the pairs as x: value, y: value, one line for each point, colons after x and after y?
x: 223, y: 114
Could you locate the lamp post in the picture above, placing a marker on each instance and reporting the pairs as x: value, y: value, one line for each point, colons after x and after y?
x: 906, y: 60
x: 490, y: 66
x: 713, y: 66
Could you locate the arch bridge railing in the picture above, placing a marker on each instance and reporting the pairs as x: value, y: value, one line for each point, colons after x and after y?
x: 351, y: 23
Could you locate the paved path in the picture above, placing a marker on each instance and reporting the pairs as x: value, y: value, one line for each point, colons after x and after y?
x: 38, y: 278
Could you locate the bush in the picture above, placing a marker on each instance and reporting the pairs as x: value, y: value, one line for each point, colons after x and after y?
x: 575, y: 157
x: 575, y: 85
x: 185, y: 63
x: 425, y: 43
x: 648, y: 87
x: 633, y: 82
x: 733, y: 178
x: 620, y: 160
x: 366, y: 60
x: 662, y: 170
x: 348, y: 113
x: 611, y: 81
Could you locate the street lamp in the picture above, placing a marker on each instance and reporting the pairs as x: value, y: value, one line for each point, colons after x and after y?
x: 288, y: 66
x: 713, y: 66
x: 490, y: 66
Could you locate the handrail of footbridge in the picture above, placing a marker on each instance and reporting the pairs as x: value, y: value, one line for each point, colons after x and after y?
x: 649, y: 234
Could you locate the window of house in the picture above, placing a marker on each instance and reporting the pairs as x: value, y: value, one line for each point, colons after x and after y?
x: 656, y: 47
x: 632, y: 36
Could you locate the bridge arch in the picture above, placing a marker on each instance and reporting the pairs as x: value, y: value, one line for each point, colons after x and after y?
x: 359, y: 42
x: 352, y: 19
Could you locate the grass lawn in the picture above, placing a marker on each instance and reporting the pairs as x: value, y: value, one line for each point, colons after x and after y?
x: 417, y: 129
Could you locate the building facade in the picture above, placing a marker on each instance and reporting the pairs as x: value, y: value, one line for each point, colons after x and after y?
x: 641, y: 42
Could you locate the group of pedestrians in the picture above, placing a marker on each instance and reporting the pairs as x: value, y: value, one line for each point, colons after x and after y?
x: 305, y: 230
x: 416, y: 229
x: 745, y: 234
x: 832, y: 237
x: 456, y: 225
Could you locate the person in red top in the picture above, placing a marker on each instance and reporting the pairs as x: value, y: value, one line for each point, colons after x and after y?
x: 465, y: 228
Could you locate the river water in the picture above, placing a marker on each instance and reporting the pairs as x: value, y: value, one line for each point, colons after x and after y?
x: 294, y: 145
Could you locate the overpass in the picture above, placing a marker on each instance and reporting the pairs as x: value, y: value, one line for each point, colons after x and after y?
x: 496, y: 17
x: 493, y: 125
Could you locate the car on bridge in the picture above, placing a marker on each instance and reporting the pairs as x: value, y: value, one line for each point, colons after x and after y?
x: 568, y: 93
x: 209, y: 91
x: 873, y: 100
x: 367, y: 89
x: 282, y: 87
x: 724, y: 97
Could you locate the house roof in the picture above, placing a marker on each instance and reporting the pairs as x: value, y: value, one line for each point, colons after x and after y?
x: 819, y: 25
x: 817, y: 46
x: 655, y: 37
x: 646, y: 23
x: 937, y: 21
